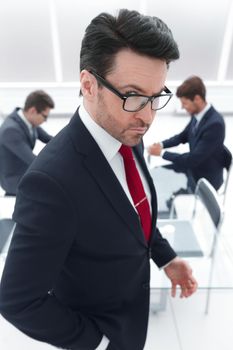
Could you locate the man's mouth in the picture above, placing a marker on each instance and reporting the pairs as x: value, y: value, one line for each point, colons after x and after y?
x: 139, y: 130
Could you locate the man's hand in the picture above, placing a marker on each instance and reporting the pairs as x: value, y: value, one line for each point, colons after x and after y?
x: 180, y: 274
x: 155, y: 149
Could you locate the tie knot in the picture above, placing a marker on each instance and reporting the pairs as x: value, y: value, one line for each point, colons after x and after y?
x: 126, y: 151
x: 194, y: 125
x: 194, y: 120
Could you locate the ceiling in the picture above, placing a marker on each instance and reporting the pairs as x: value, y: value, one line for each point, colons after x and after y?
x: 40, y: 40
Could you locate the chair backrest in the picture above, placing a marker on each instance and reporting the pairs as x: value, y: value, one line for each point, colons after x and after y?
x: 227, y: 164
x: 6, y: 229
x: 227, y: 158
x: 6, y: 222
x: 209, y: 197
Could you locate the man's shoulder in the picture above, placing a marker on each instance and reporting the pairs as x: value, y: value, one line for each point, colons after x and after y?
x: 11, y: 123
x: 213, y: 118
x: 213, y: 113
x: 12, y: 118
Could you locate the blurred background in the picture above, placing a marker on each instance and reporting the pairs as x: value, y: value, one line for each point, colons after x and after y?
x: 40, y: 44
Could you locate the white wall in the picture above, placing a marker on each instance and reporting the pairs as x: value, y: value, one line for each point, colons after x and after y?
x: 67, y: 99
x: 40, y: 43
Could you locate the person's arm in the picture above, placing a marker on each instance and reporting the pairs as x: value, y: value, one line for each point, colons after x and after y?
x: 43, y: 136
x: 15, y: 143
x: 177, y: 139
x: 161, y: 251
x: 155, y: 149
x: 158, y: 148
x: 210, y: 141
x: 176, y: 269
x: 45, y: 231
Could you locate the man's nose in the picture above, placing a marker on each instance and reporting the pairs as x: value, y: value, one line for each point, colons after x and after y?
x: 146, y: 114
x: 183, y: 106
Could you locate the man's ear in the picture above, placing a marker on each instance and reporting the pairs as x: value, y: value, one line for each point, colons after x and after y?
x: 32, y: 110
x: 88, y: 84
x: 197, y: 99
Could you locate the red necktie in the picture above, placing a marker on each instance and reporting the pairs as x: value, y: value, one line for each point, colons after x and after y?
x: 136, y: 190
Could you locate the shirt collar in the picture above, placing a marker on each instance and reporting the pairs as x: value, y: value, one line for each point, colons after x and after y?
x: 201, y: 114
x: 22, y: 116
x: 108, y: 144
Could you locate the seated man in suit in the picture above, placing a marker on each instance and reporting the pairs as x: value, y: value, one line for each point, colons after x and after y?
x: 18, y: 134
x: 205, y: 135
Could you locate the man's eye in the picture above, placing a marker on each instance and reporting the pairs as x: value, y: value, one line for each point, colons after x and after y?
x: 131, y: 93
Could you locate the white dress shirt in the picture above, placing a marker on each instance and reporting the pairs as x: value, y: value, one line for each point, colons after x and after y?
x: 110, y: 149
x: 201, y: 114
x: 103, y: 344
x: 24, y: 119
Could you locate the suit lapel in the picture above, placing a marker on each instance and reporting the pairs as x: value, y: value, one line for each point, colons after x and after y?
x: 203, y: 121
x: 97, y: 165
x: 24, y: 127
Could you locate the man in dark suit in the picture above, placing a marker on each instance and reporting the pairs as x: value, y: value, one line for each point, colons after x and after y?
x: 78, y: 270
x: 18, y: 134
x: 204, y: 133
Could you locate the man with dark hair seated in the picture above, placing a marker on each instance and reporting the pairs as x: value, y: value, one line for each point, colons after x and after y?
x: 205, y: 135
x: 18, y: 135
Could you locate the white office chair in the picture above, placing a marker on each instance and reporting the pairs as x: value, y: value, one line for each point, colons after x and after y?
x: 6, y: 223
x: 182, y: 204
x: 197, y: 237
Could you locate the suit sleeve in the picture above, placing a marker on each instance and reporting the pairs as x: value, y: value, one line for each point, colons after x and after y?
x: 15, y: 144
x: 43, y: 136
x: 210, y: 141
x: 45, y: 230
x: 161, y: 251
x: 177, y: 139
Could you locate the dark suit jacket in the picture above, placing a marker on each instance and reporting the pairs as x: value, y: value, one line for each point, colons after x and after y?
x: 78, y: 266
x: 206, y: 156
x: 16, y: 145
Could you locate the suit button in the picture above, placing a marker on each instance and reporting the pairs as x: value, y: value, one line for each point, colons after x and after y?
x: 146, y: 286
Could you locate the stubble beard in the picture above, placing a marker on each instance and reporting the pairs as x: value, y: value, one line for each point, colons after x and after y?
x: 105, y: 120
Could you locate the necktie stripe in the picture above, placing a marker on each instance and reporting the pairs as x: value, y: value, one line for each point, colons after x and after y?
x: 140, y: 202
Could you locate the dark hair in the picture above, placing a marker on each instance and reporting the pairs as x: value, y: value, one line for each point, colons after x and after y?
x: 106, y: 35
x: 191, y: 87
x: 40, y: 100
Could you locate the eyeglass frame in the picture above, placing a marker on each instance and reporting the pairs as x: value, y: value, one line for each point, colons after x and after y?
x: 110, y: 87
x: 44, y: 115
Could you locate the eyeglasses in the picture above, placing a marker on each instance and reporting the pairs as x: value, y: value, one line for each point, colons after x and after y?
x: 133, y: 102
x: 44, y: 115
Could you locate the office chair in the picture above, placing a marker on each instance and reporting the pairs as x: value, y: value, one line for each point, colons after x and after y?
x: 227, y: 164
x: 6, y: 228
x: 185, y: 236
x: 6, y: 222
x: 187, y: 200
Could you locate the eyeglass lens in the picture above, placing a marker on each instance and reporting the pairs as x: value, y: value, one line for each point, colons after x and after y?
x: 135, y: 103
